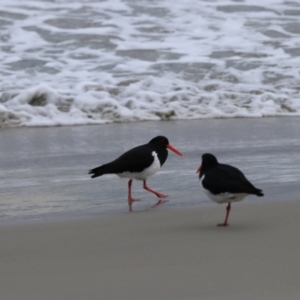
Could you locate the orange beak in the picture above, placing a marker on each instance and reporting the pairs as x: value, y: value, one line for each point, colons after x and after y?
x: 199, y: 169
x: 169, y: 146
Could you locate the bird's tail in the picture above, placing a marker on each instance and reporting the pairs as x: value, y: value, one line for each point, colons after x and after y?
x: 259, y: 193
x: 99, y: 171
x: 96, y: 172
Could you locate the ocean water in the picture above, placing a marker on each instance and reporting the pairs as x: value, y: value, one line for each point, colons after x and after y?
x: 71, y: 62
x: 44, y: 171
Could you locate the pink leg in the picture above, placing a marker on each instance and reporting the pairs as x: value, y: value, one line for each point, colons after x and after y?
x: 159, y: 195
x: 130, y: 199
x: 227, y: 215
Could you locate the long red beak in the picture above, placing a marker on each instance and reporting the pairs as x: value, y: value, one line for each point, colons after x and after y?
x: 199, y: 169
x: 169, y: 146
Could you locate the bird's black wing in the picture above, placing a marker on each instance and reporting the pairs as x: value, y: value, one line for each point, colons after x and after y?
x: 224, y: 178
x: 134, y: 160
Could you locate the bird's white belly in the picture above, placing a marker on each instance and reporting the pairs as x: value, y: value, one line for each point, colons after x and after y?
x: 146, y: 173
x: 223, y: 197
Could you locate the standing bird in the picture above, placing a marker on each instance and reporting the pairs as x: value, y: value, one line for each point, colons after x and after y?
x: 139, y: 163
x: 223, y: 183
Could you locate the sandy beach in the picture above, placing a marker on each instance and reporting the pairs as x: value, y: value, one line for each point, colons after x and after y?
x: 66, y: 236
x: 173, y: 254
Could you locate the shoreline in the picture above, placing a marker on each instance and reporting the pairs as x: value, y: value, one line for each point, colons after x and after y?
x: 44, y: 173
x: 89, y: 216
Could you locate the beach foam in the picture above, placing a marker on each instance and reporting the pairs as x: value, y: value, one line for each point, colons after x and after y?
x: 116, y: 61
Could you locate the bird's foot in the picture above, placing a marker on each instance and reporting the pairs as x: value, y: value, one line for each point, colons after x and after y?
x: 160, y: 195
x: 130, y: 201
x: 159, y: 203
x: 222, y: 224
x: 134, y: 200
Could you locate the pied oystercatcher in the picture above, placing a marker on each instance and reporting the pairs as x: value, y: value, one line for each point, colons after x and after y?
x: 224, y: 183
x: 139, y: 163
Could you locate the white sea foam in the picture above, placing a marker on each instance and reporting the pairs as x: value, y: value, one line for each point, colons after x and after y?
x: 93, y: 62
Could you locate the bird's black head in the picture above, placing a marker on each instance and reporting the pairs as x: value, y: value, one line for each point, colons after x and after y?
x: 162, y: 142
x: 208, y: 161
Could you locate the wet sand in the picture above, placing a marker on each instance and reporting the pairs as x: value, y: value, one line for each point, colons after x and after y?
x: 65, y: 236
x: 173, y: 254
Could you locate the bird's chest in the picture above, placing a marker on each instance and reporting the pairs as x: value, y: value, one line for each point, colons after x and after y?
x: 153, y: 168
